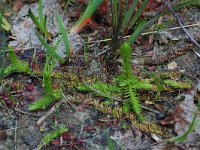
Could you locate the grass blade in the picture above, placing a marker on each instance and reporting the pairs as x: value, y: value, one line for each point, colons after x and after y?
x: 51, y: 51
x: 128, y: 14
x: 64, y: 35
x: 39, y: 25
x: 4, y: 23
x: 115, y: 12
x: 36, y: 21
x: 144, y: 25
x: 138, y: 13
x: 40, y: 12
x: 91, y: 8
x: 140, y: 28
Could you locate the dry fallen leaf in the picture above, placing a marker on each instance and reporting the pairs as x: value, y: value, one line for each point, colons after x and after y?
x: 17, y: 5
x: 183, y: 119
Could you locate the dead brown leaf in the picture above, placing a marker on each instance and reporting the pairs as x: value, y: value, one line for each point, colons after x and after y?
x: 17, y: 5
x: 185, y: 116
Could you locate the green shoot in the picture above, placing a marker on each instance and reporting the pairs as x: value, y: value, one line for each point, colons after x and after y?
x: 51, y: 136
x: 100, y: 89
x: 158, y: 79
x: 64, y: 35
x: 4, y: 23
x: 126, y: 85
x: 115, y: 11
x: 41, y: 22
x: 51, y: 95
x: 138, y: 31
x: 85, y: 18
x: 49, y: 50
x: 110, y: 142
x: 128, y: 14
x: 138, y: 13
x: 40, y: 13
x: 16, y: 66
x: 125, y: 53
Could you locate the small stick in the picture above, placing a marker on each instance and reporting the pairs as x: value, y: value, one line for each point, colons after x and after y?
x: 48, y: 113
x: 81, y: 132
x: 15, y: 140
x: 26, y: 113
x: 6, y: 108
x: 10, y: 129
x: 182, y: 27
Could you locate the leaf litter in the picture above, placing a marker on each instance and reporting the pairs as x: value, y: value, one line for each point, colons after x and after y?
x: 23, y: 30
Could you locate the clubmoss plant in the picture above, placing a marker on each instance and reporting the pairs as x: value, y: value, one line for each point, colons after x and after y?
x: 127, y: 85
x: 16, y: 66
x: 51, y: 136
x: 177, y: 85
x: 52, y: 58
x: 51, y: 95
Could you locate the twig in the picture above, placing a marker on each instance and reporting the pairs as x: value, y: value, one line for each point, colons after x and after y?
x: 169, y: 56
x: 26, y: 113
x: 15, y: 140
x: 81, y: 132
x: 109, y: 39
x: 2, y: 106
x: 48, y: 113
x: 6, y: 108
x: 145, y: 33
x: 10, y: 129
x: 182, y: 27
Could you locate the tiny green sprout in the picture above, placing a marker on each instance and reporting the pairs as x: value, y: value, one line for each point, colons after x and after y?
x: 16, y: 66
x: 51, y: 136
x: 45, y: 101
x: 51, y: 95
